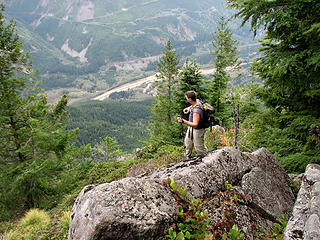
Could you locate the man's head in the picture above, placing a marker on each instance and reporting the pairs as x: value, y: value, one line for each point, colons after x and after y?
x: 192, y: 95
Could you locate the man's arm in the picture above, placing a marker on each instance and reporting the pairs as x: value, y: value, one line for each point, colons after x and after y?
x: 195, y: 123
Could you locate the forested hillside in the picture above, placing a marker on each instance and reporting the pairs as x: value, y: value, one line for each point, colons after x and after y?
x: 125, y: 121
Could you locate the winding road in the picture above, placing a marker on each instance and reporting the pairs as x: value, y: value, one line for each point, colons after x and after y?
x: 134, y: 84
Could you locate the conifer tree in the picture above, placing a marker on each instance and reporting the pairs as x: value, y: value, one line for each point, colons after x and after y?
x: 225, y: 62
x: 290, y: 72
x: 290, y: 64
x: 106, y: 151
x: 164, y: 128
x: 33, y: 140
x: 190, y: 78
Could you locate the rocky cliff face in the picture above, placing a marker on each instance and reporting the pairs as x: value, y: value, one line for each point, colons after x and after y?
x: 305, y: 220
x: 143, y: 208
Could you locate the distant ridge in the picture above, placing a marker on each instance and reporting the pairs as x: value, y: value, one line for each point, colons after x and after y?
x: 76, y: 44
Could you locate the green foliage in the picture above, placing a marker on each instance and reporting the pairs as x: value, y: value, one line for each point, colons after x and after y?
x: 288, y: 136
x: 30, y: 226
x: 151, y: 157
x: 276, y: 232
x: 38, y: 224
x: 289, y: 69
x: 194, y: 222
x: 148, y: 159
x: 30, y: 177
x: 106, y: 151
x: 193, y: 219
x: 216, y: 139
x: 59, y: 229
x: 125, y: 121
x: 165, y: 128
x: 35, y: 147
x: 295, y: 186
x: 228, y: 186
x: 225, y: 56
x: 211, y: 141
x: 234, y: 234
x: 103, y: 172
x: 225, y: 61
x: 121, y: 95
x: 297, y: 163
x: 190, y: 78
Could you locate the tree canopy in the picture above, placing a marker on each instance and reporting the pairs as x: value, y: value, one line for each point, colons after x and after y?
x: 290, y: 66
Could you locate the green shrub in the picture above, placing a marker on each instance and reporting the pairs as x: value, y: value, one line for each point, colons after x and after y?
x: 297, y: 163
x: 108, y: 171
x: 276, y: 233
x: 152, y: 157
x: 193, y: 219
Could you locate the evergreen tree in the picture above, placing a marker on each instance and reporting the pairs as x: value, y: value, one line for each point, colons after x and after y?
x: 225, y: 62
x: 190, y: 78
x: 107, y: 151
x: 290, y: 72
x: 33, y: 140
x: 164, y: 128
x: 290, y: 65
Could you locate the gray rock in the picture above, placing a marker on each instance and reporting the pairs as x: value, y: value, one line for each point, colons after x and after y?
x: 305, y: 223
x: 269, y: 185
x: 143, y: 208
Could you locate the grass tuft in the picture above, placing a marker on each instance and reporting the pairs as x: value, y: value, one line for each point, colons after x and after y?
x: 33, y: 223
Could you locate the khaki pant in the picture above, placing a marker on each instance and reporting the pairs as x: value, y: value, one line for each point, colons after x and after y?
x: 195, y: 138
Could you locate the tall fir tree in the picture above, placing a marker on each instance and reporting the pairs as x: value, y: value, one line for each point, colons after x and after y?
x: 164, y: 128
x: 190, y: 78
x: 226, y: 61
x: 290, y: 72
x: 290, y: 63
x: 33, y: 140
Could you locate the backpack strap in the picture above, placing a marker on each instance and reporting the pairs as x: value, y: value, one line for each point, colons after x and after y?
x: 200, y: 106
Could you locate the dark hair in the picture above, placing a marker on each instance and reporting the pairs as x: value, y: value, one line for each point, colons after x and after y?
x: 191, y: 94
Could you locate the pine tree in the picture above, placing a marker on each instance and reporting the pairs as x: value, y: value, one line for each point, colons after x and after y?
x: 33, y: 142
x: 164, y: 128
x: 225, y: 62
x: 290, y: 72
x: 190, y: 78
x: 107, y: 151
x: 290, y: 63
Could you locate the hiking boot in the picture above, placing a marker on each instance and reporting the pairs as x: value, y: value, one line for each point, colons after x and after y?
x: 197, y: 158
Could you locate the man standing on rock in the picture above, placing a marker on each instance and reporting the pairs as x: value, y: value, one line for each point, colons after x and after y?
x: 195, y: 133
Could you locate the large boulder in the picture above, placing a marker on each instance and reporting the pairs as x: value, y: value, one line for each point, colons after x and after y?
x: 305, y: 220
x: 143, y: 208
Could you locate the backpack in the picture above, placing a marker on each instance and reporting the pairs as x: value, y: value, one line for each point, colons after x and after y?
x: 208, y: 116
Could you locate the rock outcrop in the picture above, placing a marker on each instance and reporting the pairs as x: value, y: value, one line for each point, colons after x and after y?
x: 143, y: 208
x: 305, y: 220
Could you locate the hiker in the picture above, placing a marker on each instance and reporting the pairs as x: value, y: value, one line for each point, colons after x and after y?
x: 195, y: 133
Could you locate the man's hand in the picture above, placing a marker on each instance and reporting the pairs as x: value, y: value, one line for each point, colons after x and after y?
x: 180, y: 119
x: 186, y: 110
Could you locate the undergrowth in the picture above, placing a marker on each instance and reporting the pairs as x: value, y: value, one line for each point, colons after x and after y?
x: 194, y: 222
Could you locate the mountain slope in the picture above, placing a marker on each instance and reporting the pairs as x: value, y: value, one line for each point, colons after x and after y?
x: 90, y: 45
